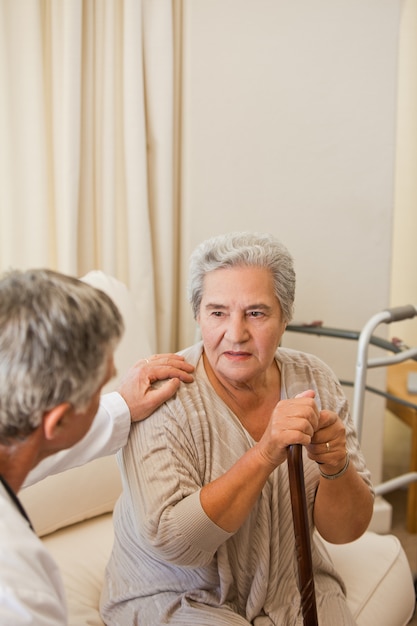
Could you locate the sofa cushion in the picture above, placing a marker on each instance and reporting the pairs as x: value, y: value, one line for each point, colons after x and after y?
x: 379, y: 584
x: 73, y: 496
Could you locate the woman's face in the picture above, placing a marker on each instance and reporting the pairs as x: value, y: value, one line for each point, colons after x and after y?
x: 241, y: 322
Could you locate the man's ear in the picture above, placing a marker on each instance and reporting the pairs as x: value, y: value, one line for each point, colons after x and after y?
x: 54, y: 418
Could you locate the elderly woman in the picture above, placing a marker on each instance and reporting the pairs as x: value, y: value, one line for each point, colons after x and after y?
x: 204, y: 532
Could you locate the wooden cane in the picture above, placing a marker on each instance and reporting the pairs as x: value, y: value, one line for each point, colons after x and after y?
x: 302, y: 535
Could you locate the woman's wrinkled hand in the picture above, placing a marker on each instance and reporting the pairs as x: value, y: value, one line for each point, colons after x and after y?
x: 293, y: 421
x: 328, y: 445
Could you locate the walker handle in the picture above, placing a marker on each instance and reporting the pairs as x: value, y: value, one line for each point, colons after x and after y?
x: 399, y: 313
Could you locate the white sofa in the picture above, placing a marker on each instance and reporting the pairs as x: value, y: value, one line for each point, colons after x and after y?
x: 72, y: 512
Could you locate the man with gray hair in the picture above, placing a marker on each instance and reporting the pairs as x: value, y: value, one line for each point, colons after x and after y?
x: 57, y: 340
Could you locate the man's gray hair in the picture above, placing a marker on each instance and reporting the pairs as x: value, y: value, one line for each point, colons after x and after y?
x: 243, y: 249
x: 56, y: 336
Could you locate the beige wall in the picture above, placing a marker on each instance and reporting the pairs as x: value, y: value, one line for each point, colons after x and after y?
x: 289, y: 113
x: 404, y: 249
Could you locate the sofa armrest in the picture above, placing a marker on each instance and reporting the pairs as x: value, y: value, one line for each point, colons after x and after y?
x: 378, y: 579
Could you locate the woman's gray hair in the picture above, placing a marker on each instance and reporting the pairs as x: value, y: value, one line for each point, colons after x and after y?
x: 243, y: 249
x: 56, y: 336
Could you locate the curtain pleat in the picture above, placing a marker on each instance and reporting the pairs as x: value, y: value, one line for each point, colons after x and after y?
x: 139, y: 265
x: 159, y: 87
x: 62, y: 30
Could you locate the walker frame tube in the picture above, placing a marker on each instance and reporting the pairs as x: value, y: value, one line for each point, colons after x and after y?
x: 366, y: 338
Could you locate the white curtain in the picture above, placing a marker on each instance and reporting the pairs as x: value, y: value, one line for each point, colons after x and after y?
x: 86, y: 145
